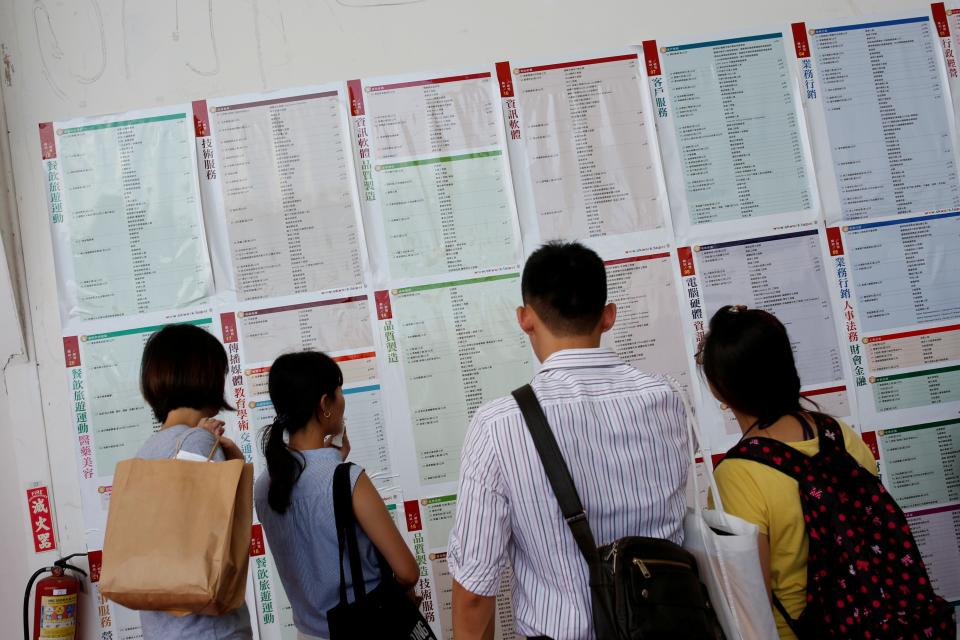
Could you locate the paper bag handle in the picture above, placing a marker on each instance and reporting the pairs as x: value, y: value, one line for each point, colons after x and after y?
x: 216, y: 445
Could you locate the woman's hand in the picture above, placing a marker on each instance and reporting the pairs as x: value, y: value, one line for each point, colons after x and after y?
x: 230, y: 449
x: 344, y: 447
x: 212, y: 425
x: 414, y: 596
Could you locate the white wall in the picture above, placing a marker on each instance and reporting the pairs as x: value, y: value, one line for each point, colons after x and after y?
x: 67, y: 58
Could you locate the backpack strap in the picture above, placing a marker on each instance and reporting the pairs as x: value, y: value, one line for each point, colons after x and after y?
x: 772, y: 453
x: 791, y: 622
x: 558, y: 474
x: 830, y: 435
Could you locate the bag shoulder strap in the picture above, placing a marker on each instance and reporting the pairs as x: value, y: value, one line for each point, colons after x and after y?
x: 557, y: 473
x: 347, y: 532
x: 193, y: 430
x: 791, y: 622
x: 772, y: 453
x: 829, y: 434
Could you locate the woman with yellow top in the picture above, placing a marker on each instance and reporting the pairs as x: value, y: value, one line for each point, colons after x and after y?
x: 749, y: 364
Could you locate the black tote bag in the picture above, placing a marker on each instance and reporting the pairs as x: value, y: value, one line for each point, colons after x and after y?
x: 386, y: 613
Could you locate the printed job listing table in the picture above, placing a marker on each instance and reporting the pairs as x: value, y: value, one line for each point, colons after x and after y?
x: 937, y: 532
x: 125, y: 211
x: 435, y: 177
x: 460, y: 346
x: 783, y: 275
x: 113, y: 409
x: 283, y: 183
x: 731, y: 117
x: 340, y: 327
x: 900, y: 287
x: 885, y: 103
x: 906, y: 272
x: 585, y: 147
x: 922, y: 463
x: 648, y: 333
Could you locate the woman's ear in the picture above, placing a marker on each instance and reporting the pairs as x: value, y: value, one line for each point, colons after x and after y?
x: 323, y: 407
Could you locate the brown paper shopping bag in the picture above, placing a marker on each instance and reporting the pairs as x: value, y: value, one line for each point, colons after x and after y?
x: 178, y: 536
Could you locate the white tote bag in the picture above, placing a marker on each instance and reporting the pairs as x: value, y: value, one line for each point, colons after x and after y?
x: 726, y: 550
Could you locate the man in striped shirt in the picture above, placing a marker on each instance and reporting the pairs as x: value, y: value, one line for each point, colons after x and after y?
x: 622, y: 434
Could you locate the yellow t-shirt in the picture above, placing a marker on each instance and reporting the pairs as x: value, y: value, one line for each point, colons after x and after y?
x: 771, y: 500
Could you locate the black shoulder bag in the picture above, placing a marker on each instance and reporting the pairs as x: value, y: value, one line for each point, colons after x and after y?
x: 640, y: 588
x: 386, y: 612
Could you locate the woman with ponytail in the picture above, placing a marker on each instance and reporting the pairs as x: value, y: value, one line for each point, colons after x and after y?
x: 294, y: 498
x: 748, y: 362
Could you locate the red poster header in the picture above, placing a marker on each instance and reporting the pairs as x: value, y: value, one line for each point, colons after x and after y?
x: 870, y: 439
x: 505, y: 79
x: 228, y: 325
x: 820, y: 392
x: 578, y: 63
x: 912, y: 334
x: 835, y: 241
x: 201, y: 119
x: 71, y: 351
x: 650, y: 256
x: 48, y: 142
x: 94, y: 562
x: 940, y: 19
x: 412, y: 509
x: 355, y: 91
x: 384, y: 308
x: 652, y: 55
x: 428, y: 81
x: 800, y: 41
x: 687, y: 268
x: 257, y: 547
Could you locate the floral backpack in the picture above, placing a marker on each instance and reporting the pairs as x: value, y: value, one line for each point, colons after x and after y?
x: 865, y: 576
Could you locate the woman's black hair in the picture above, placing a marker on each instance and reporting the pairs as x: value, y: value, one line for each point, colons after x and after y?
x: 297, y: 383
x: 748, y: 360
x: 183, y: 366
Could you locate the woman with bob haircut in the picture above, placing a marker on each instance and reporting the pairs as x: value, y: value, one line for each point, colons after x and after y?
x: 182, y: 377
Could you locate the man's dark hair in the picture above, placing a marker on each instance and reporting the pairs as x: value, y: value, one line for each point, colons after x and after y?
x: 183, y: 366
x: 566, y: 284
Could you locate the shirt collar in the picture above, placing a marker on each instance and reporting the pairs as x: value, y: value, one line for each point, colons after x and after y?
x: 323, y: 452
x: 579, y: 358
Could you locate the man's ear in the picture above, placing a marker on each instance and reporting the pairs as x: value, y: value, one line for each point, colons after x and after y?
x: 526, y: 318
x: 608, y: 318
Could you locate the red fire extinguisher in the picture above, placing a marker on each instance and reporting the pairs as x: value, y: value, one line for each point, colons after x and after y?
x: 56, y: 611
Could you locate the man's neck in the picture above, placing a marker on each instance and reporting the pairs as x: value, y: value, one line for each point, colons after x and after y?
x: 555, y: 344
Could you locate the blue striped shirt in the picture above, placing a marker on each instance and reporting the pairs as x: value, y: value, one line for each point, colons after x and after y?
x: 623, y: 435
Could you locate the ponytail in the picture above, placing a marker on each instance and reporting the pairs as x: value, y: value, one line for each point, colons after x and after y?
x: 284, y: 465
x: 297, y: 383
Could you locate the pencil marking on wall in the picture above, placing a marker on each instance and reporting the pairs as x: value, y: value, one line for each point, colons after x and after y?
x: 103, y: 48
x: 7, y: 66
x: 259, y: 41
x: 362, y: 4
x: 40, y: 13
x: 213, y: 43
x: 123, y: 26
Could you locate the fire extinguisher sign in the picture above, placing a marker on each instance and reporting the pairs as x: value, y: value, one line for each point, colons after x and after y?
x: 41, y: 519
